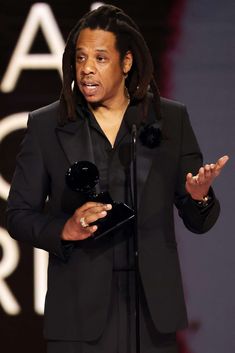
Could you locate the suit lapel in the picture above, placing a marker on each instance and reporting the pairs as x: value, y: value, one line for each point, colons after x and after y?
x: 75, y: 141
x: 144, y: 162
x: 144, y: 155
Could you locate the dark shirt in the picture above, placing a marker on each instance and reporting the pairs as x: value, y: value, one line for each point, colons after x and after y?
x: 113, y: 165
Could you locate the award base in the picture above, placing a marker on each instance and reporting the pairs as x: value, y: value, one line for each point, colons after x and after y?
x: 117, y: 216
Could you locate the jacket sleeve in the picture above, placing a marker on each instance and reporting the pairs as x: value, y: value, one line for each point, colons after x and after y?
x: 196, y: 218
x: 26, y: 218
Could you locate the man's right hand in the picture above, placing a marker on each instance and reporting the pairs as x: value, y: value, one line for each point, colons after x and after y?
x: 77, y: 227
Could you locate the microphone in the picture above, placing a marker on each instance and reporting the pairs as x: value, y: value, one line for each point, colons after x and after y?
x: 136, y: 245
x: 134, y: 167
x: 134, y: 133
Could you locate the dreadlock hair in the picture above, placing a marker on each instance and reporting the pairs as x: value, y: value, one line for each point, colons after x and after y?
x: 128, y: 38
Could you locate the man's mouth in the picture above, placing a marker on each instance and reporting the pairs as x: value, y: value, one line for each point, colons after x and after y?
x: 89, y: 84
x: 89, y: 88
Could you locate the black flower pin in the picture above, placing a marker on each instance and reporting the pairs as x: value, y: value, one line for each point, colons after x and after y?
x: 151, y: 135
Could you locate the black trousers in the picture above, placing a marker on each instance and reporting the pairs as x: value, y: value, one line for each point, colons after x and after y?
x: 119, y: 333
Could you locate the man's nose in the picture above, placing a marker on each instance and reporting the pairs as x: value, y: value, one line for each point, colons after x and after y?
x: 89, y: 67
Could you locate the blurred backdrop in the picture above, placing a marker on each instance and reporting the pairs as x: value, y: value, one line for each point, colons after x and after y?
x: 193, y: 46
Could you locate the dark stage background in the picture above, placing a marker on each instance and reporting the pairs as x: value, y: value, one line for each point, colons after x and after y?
x: 192, y: 42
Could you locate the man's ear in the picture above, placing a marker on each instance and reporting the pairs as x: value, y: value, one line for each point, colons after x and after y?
x: 127, y: 62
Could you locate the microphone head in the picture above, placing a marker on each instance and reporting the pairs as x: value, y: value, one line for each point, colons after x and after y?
x: 134, y: 129
x: 82, y: 176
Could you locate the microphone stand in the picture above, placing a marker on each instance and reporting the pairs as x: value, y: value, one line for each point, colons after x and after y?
x: 136, y: 245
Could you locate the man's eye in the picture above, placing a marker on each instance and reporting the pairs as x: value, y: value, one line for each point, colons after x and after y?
x: 80, y: 58
x: 101, y: 58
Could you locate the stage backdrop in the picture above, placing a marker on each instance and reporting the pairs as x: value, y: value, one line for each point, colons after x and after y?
x: 194, y: 55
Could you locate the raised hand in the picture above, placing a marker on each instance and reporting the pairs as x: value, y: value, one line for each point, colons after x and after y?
x: 198, y: 186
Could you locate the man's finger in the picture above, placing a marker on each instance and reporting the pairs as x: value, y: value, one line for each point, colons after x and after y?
x: 189, y: 177
x: 221, y: 163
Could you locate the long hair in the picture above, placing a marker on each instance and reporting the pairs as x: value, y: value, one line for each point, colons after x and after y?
x: 128, y: 37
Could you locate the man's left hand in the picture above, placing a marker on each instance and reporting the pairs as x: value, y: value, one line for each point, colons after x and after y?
x: 198, y: 186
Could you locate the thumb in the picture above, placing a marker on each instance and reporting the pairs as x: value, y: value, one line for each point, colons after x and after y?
x: 221, y: 163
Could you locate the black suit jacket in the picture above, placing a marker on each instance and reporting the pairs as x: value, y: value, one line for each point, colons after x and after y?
x: 79, y: 276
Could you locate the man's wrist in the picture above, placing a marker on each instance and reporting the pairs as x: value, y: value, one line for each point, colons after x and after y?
x: 204, y: 201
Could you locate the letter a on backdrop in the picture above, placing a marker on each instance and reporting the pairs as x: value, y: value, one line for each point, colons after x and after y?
x: 40, y: 16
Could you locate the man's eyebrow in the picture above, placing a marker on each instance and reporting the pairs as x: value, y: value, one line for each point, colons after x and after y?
x: 98, y: 50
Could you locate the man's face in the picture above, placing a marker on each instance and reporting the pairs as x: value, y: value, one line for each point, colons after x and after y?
x: 99, y: 73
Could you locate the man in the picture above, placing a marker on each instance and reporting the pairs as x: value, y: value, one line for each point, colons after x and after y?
x: 108, y: 84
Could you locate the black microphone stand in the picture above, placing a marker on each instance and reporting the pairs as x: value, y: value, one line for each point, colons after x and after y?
x: 136, y: 245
